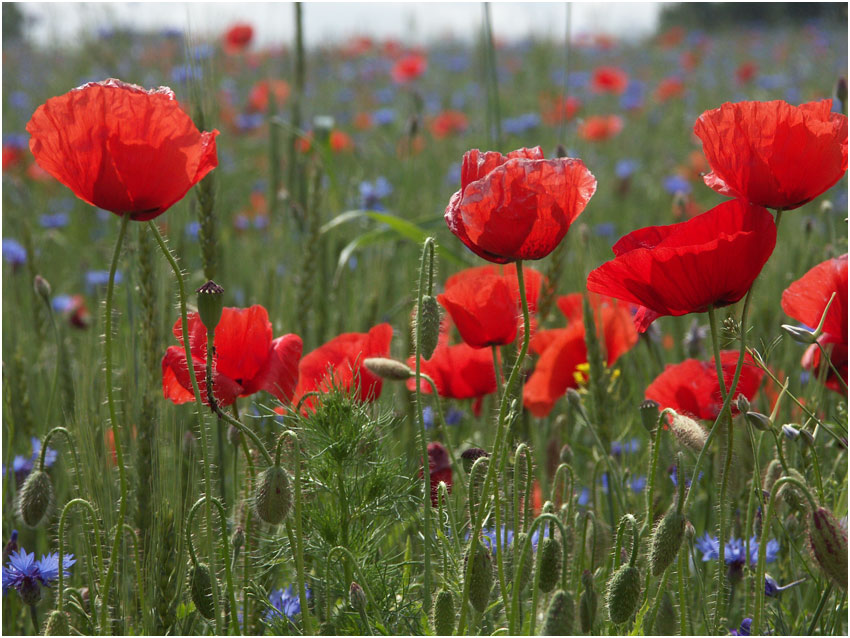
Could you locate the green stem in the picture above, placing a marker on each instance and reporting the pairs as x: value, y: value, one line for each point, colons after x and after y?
x: 62, y: 519
x: 113, y: 419
x: 655, y: 441
x: 684, y: 619
x: 364, y: 583
x: 140, y: 584
x: 825, y: 355
x: 821, y: 604
x: 445, y: 430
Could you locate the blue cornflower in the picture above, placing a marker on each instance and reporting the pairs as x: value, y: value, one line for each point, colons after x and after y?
x: 674, y: 477
x: 22, y: 465
x: 384, y: 116
x: 709, y: 546
x: 19, y: 100
x: 744, y: 630
x: 202, y: 52
x: 186, y: 73
x: 625, y: 168
x: 735, y: 553
x: 53, y: 220
x: 521, y: 123
x: 13, y: 252
x: 428, y: 417
x: 633, y: 96
x: 676, y: 184
x: 584, y: 497
x: 27, y: 575
x: 454, y: 416
x: 371, y: 193
x: 605, y: 229
x: 385, y: 95
x: 98, y: 278
x: 452, y: 176
x: 637, y: 484
x: 618, y: 448
x: 192, y: 229
x: 770, y: 553
x: 62, y: 303
x: 286, y: 602
x: 249, y: 121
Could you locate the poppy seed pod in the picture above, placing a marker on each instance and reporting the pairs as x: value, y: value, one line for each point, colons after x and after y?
x: 649, y: 415
x: 550, y: 563
x: 666, y: 541
x: 200, y: 587
x: 560, y: 615
x: 274, y: 495
x: 688, y: 432
x: 35, y: 498
x: 444, y: 614
x: 481, y: 579
x: 828, y: 544
x: 210, y: 304
x: 429, y: 326
x: 623, y: 594
x: 57, y: 624
x: 389, y: 369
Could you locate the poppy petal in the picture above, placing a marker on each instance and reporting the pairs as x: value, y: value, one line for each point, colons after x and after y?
x: 279, y: 374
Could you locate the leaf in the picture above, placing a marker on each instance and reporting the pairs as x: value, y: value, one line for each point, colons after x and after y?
x: 366, y: 239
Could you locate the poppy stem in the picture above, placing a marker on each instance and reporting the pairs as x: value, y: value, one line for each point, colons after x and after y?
x: 60, y: 591
x: 497, y: 367
x: 113, y: 420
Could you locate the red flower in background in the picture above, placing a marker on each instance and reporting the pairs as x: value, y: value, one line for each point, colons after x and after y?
x: 238, y: 37
x: 448, y: 123
x: 669, y: 88
x: 13, y: 156
x: 691, y: 387
x: 439, y: 469
x: 597, y: 128
x: 518, y: 206
x: 334, y: 364
x: 609, y: 79
x: 806, y: 299
x: 258, y: 99
x: 341, y: 142
x: 246, y: 359
x: 409, y: 68
x: 559, y: 109
x: 710, y: 260
x: 746, y: 72
x: 756, y: 151
x: 562, y: 350
x: 121, y: 148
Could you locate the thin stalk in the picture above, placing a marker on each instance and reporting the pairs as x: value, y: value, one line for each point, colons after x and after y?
x: 492, y: 77
x: 819, y: 610
x: 60, y: 596
x: 140, y: 584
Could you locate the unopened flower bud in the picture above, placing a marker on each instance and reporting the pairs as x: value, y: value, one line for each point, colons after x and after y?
x: 481, y: 579
x: 623, y: 594
x: 322, y: 127
x: 210, y: 304
x: 41, y: 287
x: 800, y: 334
x: 841, y: 92
x: 30, y: 591
x: 743, y: 404
x: 357, y: 597
x: 791, y: 433
x: 771, y: 474
x: 560, y: 150
x: 387, y: 368
x: 550, y: 563
x: 666, y: 541
x: 429, y: 331
x: 469, y: 456
x: 444, y: 614
x: 233, y: 435
x: 201, y: 590
x: 665, y: 620
x: 587, y: 603
x: 57, y: 624
x: 828, y: 543
x: 688, y: 432
x: 791, y: 494
x: 690, y: 532
x: 560, y: 615
x: 35, y: 498
x: 759, y: 421
x: 274, y: 495
x: 566, y: 454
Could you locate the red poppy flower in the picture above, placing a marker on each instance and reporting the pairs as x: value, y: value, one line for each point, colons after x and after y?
x: 340, y: 142
x: 691, y: 387
x: 745, y: 73
x: 13, y: 156
x: 519, y: 206
x: 710, y: 260
x: 609, y: 79
x: 672, y: 37
x: 258, y: 99
x: 448, y: 123
x: 332, y: 364
x: 806, y: 299
x: 238, y: 37
x: 246, y: 358
x: 563, y: 350
x: 560, y: 109
x: 756, y: 149
x: 439, y: 468
x: 669, y: 88
x: 409, y: 68
x: 121, y: 148
x: 597, y: 128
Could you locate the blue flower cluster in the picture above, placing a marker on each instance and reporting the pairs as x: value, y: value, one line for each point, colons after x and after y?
x: 285, y: 602
x: 28, y: 575
x: 735, y: 550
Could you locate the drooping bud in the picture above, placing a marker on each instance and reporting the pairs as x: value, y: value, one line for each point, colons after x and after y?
x: 743, y: 404
x: 649, y: 414
x: 468, y: 457
x: 688, y: 432
x: 550, y: 563
x: 57, y: 624
x: 201, y: 589
x: 828, y: 544
x: 429, y: 330
x: 357, y: 597
x: 759, y: 421
x: 481, y: 579
x: 41, y: 287
x: 387, y: 368
x: 666, y: 623
x: 35, y: 498
x: 274, y: 495
x: 444, y: 614
x: 791, y: 494
x: 560, y: 615
x: 666, y: 541
x: 800, y: 334
x: 623, y: 594
x: 210, y: 304
x: 587, y: 603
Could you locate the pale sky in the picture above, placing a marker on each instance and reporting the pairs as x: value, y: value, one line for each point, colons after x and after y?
x: 413, y: 22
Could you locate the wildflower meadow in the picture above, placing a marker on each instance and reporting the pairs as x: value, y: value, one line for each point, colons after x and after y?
x: 476, y: 336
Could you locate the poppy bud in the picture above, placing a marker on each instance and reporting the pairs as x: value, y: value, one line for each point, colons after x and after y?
x: 690, y: 532
x: 649, y: 415
x: 791, y: 494
x: 210, y: 304
x: 665, y: 620
x: 550, y: 563
x: 389, y: 369
x: 623, y: 594
x: 430, y: 326
x: 560, y: 615
x: 233, y: 435
x: 41, y: 287
x: 444, y: 614
x: 513, y: 554
x: 468, y: 457
x: 574, y: 399
x: 200, y: 587
x: 828, y: 543
x: 57, y: 624
x: 560, y: 150
x: 791, y: 433
x: 481, y: 579
x: 743, y: 404
x: 357, y: 597
x: 36, y: 498
x: 759, y: 421
x: 771, y: 474
x: 274, y: 495
x: 666, y: 541
x: 688, y: 432
x: 566, y: 454
x: 587, y: 607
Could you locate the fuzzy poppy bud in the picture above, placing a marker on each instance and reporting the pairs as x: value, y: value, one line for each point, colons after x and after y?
x: 357, y: 597
x: 41, y: 287
x: 387, y: 368
x: 759, y: 421
x: 771, y: 474
x: 233, y: 435
x: 201, y: 589
x: 649, y: 415
x: 429, y: 330
x: 566, y: 455
x: 623, y: 594
x: 574, y: 399
x: 665, y: 623
x: 560, y: 615
x: 828, y: 543
x: 550, y: 563
x: 513, y: 554
x: 57, y: 624
x: 35, y: 498
x: 791, y: 494
x: 666, y: 541
x: 274, y: 495
x: 689, y: 433
x: 210, y: 304
x: 444, y: 614
x: 743, y: 404
x: 469, y: 456
x: 481, y: 579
